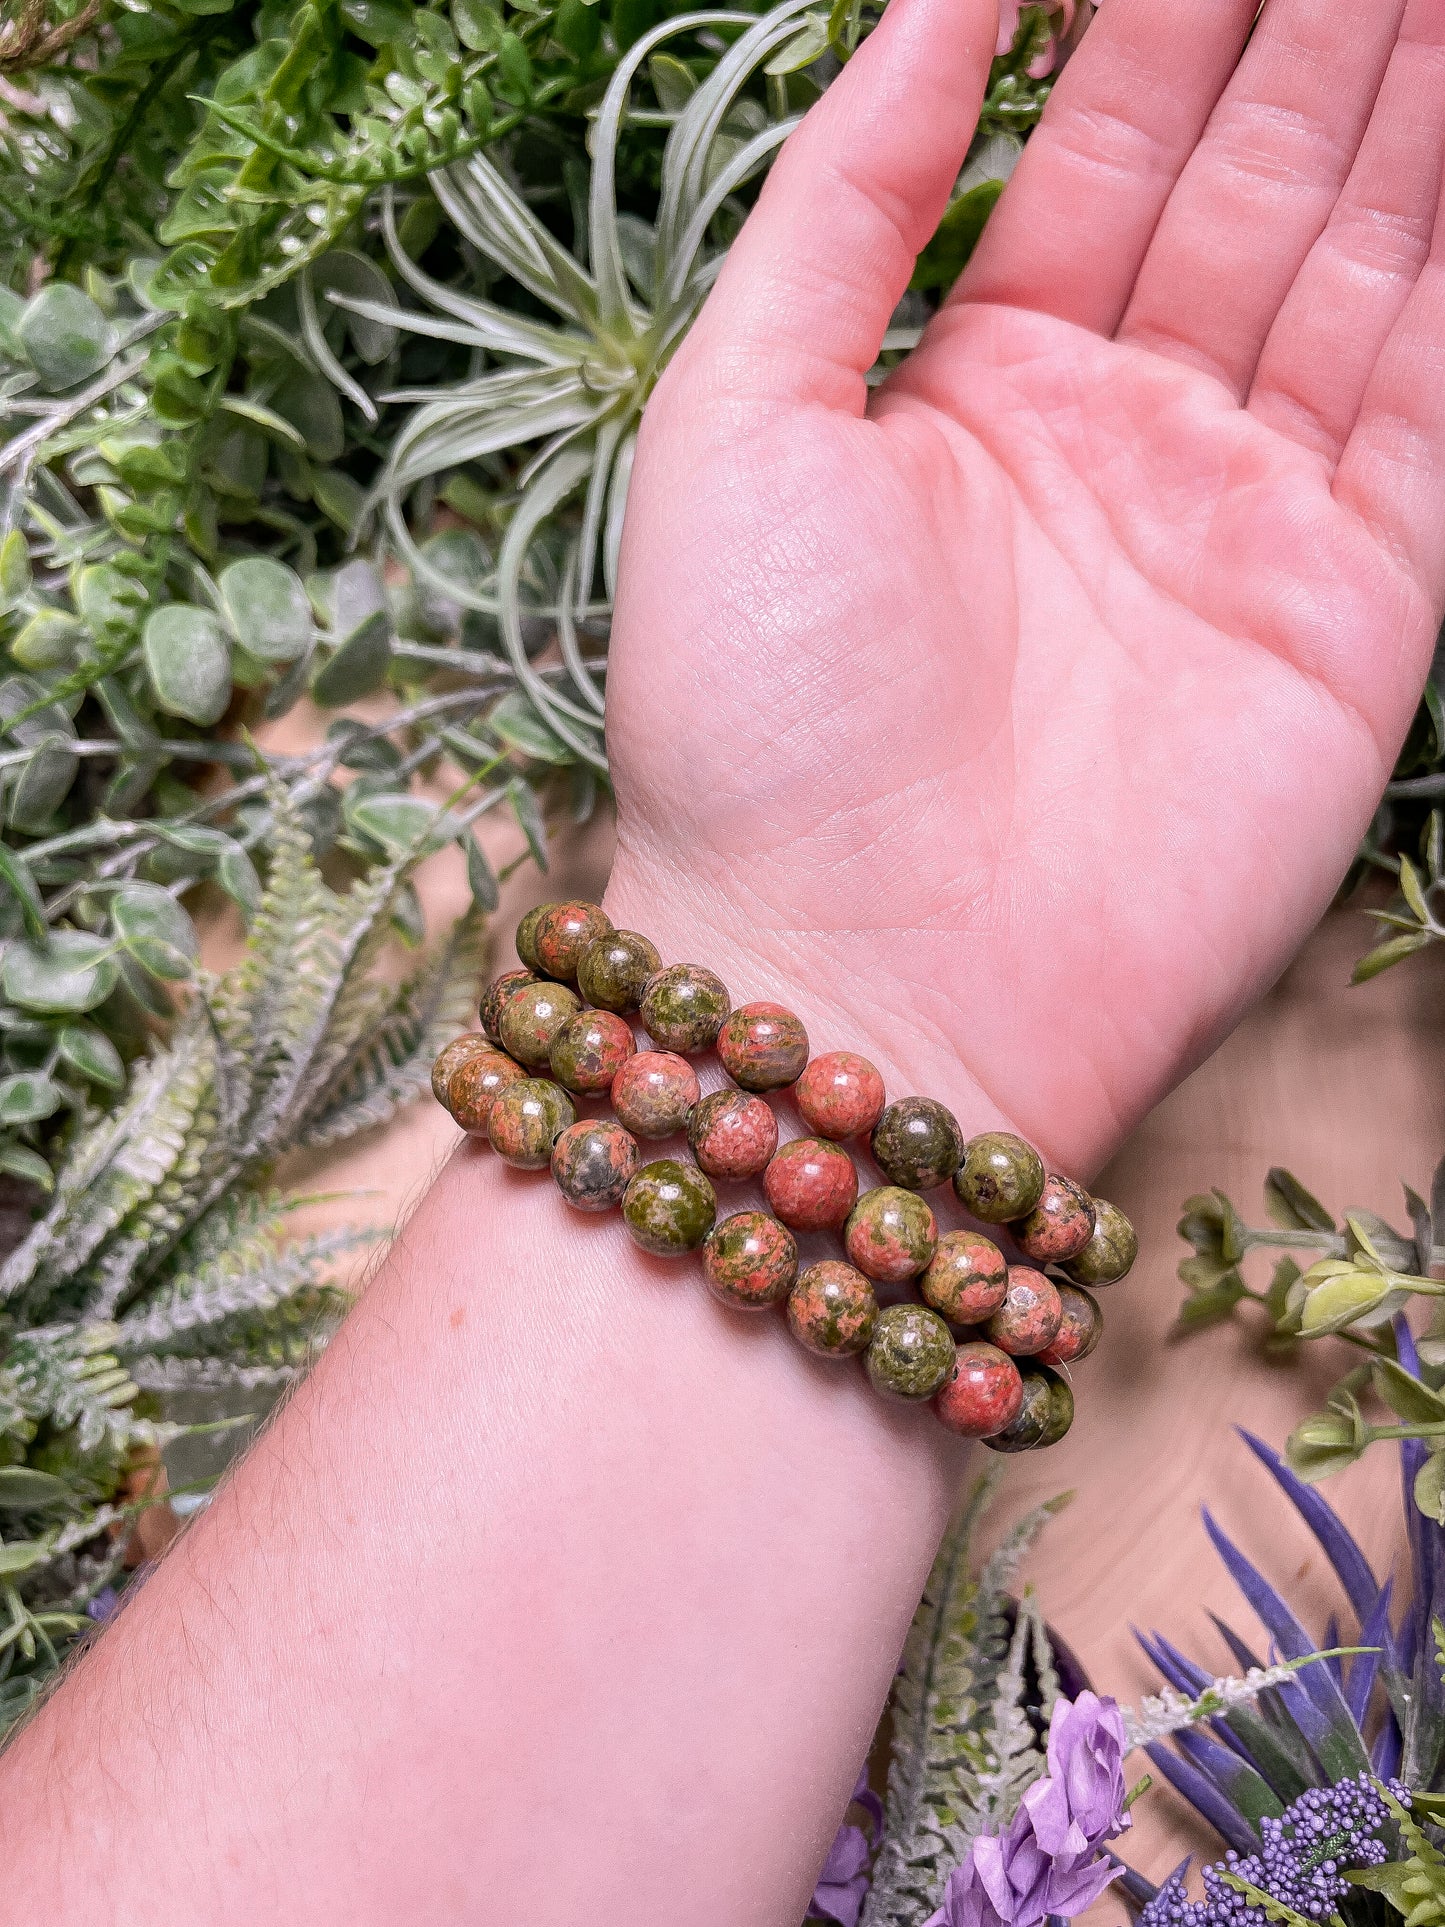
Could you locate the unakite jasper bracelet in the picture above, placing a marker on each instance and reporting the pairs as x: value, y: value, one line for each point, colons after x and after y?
x: 988, y: 1341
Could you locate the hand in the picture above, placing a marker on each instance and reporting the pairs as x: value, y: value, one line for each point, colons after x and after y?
x: 1018, y: 720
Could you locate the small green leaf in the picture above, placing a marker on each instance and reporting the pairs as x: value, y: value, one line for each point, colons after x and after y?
x: 268, y: 608
x: 516, y: 721
x: 342, y: 272
x: 957, y: 235
x: 72, y: 971
x: 28, y: 1096
x: 16, y: 873
x: 236, y: 874
x: 93, y: 1055
x: 1291, y: 1206
x: 20, y: 1555
x: 1411, y: 891
x: 27, y: 1165
x: 14, y: 570
x: 528, y: 812
x: 188, y: 663
x: 481, y: 878
x: 1322, y: 1445
x: 22, y: 1489
x: 357, y: 666
x: 155, y: 930
x: 43, y: 783
x: 673, y: 82
x: 397, y: 823
x: 1430, y: 1488
x: 1406, y: 1397
x: 65, y: 335
x: 1384, y: 955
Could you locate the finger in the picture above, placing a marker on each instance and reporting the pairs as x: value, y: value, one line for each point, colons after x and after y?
x: 1261, y: 185
x: 800, y: 308
x: 1073, y: 226
x: 1338, y: 315
x: 1392, y: 471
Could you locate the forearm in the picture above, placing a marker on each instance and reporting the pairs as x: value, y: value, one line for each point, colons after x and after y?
x: 558, y: 1593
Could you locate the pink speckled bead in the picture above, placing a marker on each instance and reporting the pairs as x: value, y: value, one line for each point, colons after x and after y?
x: 750, y: 1260
x: 475, y: 1086
x: 732, y: 1134
x: 1028, y: 1320
x: 982, y: 1394
x: 654, y: 1093
x: 832, y: 1310
x: 840, y: 1095
x: 1060, y: 1224
x: 967, y: 1278
x: 563, y: 932
x: 589, y: 1049
x: 763, y: 1046
x: 890, y: 1234
x: 811, y: 1185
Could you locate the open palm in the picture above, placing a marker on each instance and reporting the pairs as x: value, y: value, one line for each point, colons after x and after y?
x: 1025, y: 714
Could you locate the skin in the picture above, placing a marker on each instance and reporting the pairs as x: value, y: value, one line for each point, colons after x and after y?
x: 1091, y: 637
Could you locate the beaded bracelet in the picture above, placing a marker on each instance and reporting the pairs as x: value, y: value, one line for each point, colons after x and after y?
x: 1004, y: 1379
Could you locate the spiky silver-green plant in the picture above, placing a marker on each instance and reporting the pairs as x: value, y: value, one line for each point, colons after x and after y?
x: 160, y: 1267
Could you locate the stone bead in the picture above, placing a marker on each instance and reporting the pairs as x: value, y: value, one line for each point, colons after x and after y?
x: 750, y: 1260
x: 967, y: 1278
x: 1028, y: 1320
x: 669, y: 1208
x: 1061, y: 1409
x: 982, y: 1393
x: 476, y: 1085
x: 811, y: 1185
x: 732, y: 1135
x: 526, y: 1121
x: 911, y: 1352
x: 1060, y: 1224
x: 451, y: 1057
x: 890, y: 1234
x: 917, y: 1143
x: 498, y: 994
x: 1110, y: 1253
x: 654, y: 1093
x: 683, y: 1008
x: 763, y: 1047
x: 1080, y: 1328
x: 832, y: 1310
x: 613, y: 970
x: 594, y: 1162
x: 527, y: 936
x: 1001, y: 1178
x: 588, y: 1050
x: 531, y: 1018
x: 564, y: 931
x: 1026, y: 1430
x: 840, y: 1095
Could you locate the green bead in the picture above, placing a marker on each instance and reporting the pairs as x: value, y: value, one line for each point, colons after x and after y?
x: 917, y: 1143
x: 527, y: 936
x: 891, y: 1234
x: 832, y: 1309
x: 1111, y: 1250
x: 1061, y: 1409
x: 911, y: 1352
x: 526, y: 1120
x: 669, y: 1208
x: 684, y: 1007
x: 1001, y: 1178
x: 614, y: 970
x: 1026, y: 1431
x: 531, y: 1019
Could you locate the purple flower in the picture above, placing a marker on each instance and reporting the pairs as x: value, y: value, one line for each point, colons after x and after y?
x: 1048, y: 1859
x: 843, y: 1884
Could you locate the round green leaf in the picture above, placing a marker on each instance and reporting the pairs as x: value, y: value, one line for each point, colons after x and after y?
x: 268, y: 608
x: 25, y: 1490
x: 397, y: 823
x: 92, y: 1054
x: 20, y: 1555
x: 1430, y: 1488
x: 65, y: 335
x: 42, y: 785
x: 358, y: 665
x: 188, y: 663
x: 343, y: 272
x: 73, y: 971
x: 155, y: 929
x: 28, y: 1096
x: 26, y: 1165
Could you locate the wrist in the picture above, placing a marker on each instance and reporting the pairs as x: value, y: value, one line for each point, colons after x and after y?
x: 846, y: 989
